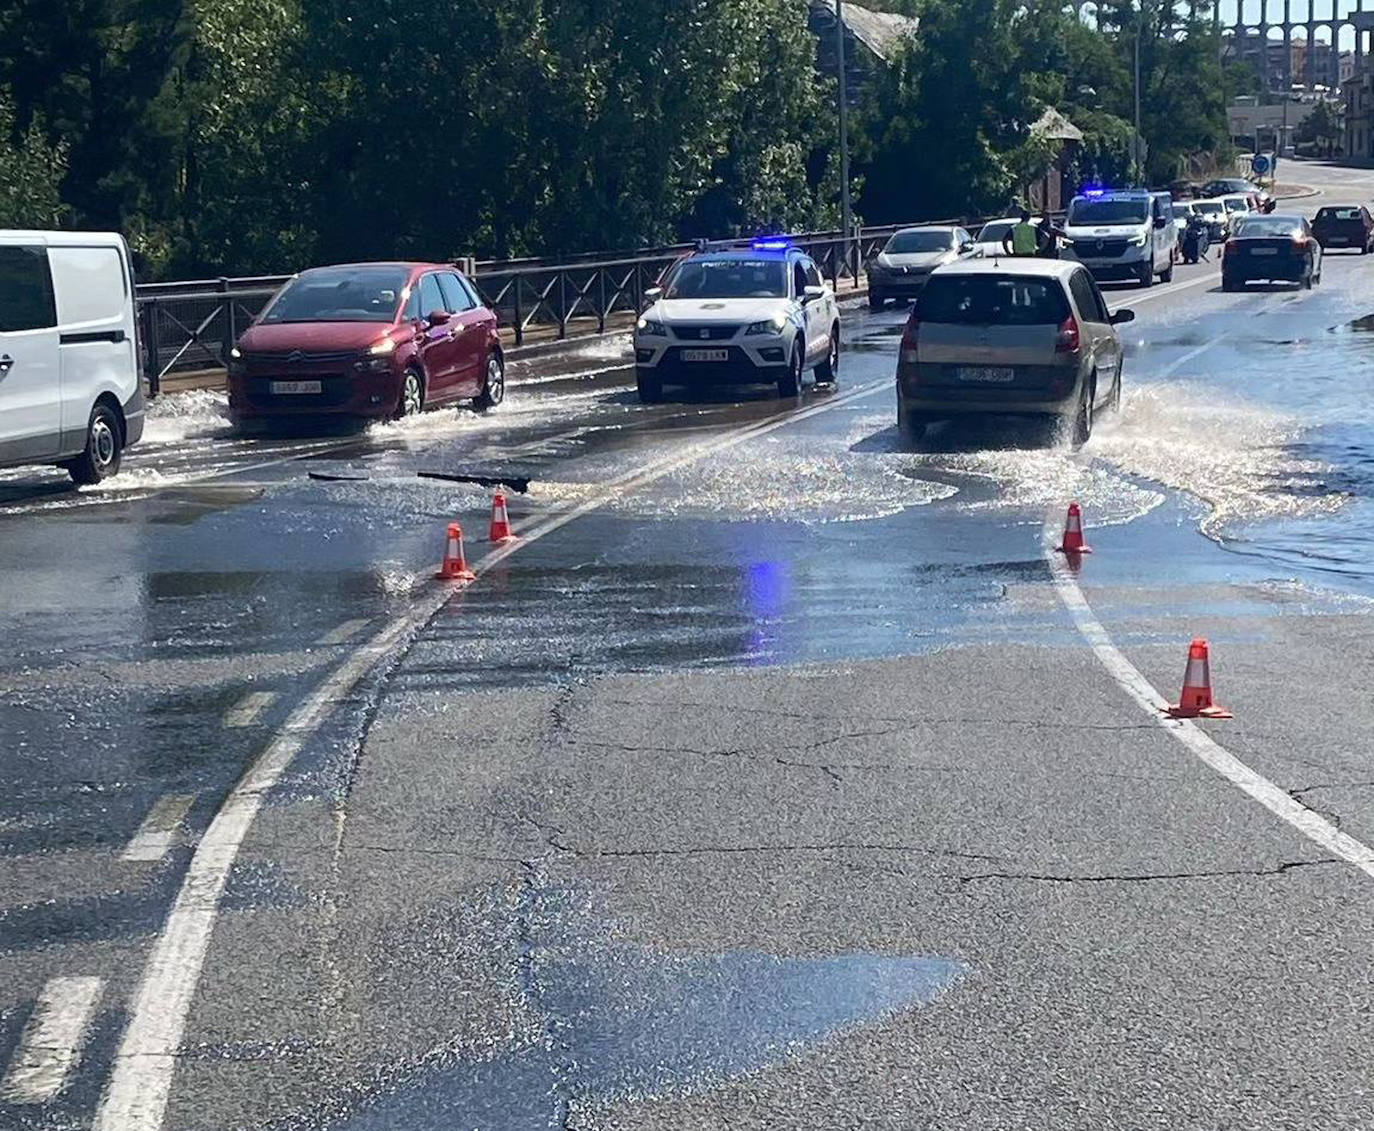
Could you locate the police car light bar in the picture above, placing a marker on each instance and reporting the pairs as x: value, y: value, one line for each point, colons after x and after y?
x: 772, y: 243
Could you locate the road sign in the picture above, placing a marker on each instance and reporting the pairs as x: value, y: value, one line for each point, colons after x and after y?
x: 1259, y: 164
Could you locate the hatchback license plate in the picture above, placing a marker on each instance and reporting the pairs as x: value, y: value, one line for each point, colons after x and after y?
x: 296, y: 387
x: 987, y: 374
x: 705, y: 355
x: 1264, y: 251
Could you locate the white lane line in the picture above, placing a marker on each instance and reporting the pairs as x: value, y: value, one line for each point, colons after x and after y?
x: 1192, y: 736
x: 159, y: 829
x: 135, y: 1098
x: 344, y: 633
x: 50, y: 1046
x: 245, y: 712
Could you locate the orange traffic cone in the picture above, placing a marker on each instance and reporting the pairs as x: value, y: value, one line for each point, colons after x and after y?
x: 1196, y: 700
x: 1073, y: 533
x: 500, y: 520
x: 455, y: 566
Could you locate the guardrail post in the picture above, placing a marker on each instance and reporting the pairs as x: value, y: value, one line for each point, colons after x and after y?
x: 152, y: 348
x: 639, y: 289
x: 601, y: 300
x: 519, y: 320
x: 562, y: 305
x: 227, y: 341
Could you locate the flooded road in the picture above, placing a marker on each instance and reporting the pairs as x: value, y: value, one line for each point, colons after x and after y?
x: 762, y: 782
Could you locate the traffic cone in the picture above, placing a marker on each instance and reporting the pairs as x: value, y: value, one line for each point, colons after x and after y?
x: 455, y: 565
x: 1196, y: 700
x: 1073, y: 533
x: 500, y: 520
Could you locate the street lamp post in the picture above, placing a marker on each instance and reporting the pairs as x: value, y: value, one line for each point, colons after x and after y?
x: 1135, y: 145
x: 846, y: 220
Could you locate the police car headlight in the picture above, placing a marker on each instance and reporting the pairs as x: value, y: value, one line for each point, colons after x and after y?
x: 772, y: 325
x: 651, y: 329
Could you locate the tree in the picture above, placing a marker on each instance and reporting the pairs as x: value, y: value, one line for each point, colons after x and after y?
x: 31, y: 172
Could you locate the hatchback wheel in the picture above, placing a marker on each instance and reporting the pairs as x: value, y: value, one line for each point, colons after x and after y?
x: 412, y: 394
x: 1083, y: 418
x: 494, y: 386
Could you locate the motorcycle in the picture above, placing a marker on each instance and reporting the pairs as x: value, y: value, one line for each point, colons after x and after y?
x: 1195, y: 240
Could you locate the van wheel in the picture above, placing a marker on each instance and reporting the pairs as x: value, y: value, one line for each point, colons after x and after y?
x: 1167, y: 275
x: 104, y: 448
x: 494, y: 385
x: 1147, y: 274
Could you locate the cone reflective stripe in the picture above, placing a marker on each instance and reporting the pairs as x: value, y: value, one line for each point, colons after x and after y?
x: 1073, y: 533
x: 455, y: 566
x: 500, y: 520
x: 1196, y: 700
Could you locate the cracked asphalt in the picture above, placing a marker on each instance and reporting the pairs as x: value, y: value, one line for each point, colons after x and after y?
x: 770, y: 788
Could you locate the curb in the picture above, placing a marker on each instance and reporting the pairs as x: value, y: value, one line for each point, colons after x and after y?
x: 1305, y: 193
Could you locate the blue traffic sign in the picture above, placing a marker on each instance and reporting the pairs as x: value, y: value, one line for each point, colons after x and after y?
x: 1260, y: 164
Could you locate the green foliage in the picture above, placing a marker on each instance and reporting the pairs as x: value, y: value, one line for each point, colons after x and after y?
x: 31, y: 173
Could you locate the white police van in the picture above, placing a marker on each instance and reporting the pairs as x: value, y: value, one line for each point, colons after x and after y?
x: 1123, y: 234
x: 760, y: 313
x: 69, y: 381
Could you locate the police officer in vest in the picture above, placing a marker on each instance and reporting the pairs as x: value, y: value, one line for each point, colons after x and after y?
x: 1023, y: 239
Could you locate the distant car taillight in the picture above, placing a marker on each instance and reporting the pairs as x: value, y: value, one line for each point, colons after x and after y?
x: 1230, y: 248
x: 909, y: 339
x: 1067, y: 340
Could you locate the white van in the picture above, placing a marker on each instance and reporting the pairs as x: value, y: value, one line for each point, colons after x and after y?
x: 1123, y: 234
x: 69, y: 381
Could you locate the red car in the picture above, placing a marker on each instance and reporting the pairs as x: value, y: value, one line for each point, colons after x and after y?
x: 368, y: 340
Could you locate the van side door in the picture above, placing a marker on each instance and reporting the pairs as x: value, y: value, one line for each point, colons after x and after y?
x: 95, y: 318
x: 30, y: 389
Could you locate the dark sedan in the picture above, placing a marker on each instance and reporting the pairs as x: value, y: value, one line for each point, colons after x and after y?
x: 1273, y: 249
x: 1344, y: 226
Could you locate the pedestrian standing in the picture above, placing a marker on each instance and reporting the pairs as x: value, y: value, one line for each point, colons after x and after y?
x: 1023, y: 239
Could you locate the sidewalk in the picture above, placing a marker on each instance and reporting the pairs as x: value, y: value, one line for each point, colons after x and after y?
x: 539, y: 341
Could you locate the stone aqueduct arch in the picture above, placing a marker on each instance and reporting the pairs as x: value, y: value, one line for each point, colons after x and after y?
x: 1340, y: 14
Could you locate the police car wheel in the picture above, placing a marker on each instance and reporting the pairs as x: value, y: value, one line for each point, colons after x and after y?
x: 789, y: 384
x: 649, y: 386
x: 827, y: 370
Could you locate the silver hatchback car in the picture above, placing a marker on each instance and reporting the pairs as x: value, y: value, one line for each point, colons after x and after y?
x: 1009, y: 336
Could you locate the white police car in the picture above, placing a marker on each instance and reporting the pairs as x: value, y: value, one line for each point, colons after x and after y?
x: 760, y: 313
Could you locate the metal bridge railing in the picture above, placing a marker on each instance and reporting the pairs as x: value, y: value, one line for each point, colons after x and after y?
x: 188, y: 326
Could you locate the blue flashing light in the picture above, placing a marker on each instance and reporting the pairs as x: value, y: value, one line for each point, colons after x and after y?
x: 1095, y: 191
x: 772, y: 243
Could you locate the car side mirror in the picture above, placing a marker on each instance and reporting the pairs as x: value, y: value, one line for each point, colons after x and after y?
x: 813, y: 293
x: 1117, y: 317
x: 653, y: 294
x: 438, y: 317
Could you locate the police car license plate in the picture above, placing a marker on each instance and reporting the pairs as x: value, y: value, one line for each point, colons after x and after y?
x: 987, y: 374
x: 705, y: 355
x: 296, y: 387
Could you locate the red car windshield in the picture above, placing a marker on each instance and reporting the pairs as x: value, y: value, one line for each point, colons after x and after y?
x: 338, y: 294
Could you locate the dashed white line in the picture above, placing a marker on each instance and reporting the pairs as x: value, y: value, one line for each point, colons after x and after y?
x: 141, y: 1079
x: 50, y: 1046
x: 344, y: 632
x: 159, y: 829
x: 1192, y: 736
x: 245, y: 712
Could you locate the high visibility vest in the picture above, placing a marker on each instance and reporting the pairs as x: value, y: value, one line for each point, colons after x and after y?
x: 1024, y: 239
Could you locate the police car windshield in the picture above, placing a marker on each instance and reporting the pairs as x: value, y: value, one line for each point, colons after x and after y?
x: 729, y: 278
x: 905, y: 242
x: 340, y: 294
x: 1108, y: 211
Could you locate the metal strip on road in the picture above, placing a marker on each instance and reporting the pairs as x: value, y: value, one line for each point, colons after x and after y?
x: 136, y: 1096
x: 51, y: 1044
x: 1192, y: 736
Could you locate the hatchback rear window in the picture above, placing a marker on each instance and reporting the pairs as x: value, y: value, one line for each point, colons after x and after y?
x: 992, y: 300
x: 1338, y: 214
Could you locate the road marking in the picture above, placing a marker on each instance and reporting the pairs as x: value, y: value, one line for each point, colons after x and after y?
x: 1192, y: 736
x: 50, y: 1046
x: 135, y: 1098
x: 159, y: 829
x: 245, y: 712
x: 344, y: 633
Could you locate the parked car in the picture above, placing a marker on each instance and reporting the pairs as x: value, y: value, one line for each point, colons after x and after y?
x: 991, y: 235
x: 1344, y: 226
x: 69, y: 377
x: 901, y: 269
x: 1275, y: 248
x: 1015, y: 336
x: 368, y: 340
x: 1229, y: 186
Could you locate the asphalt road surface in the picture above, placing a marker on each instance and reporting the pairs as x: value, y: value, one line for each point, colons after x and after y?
x: 777, y: 776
